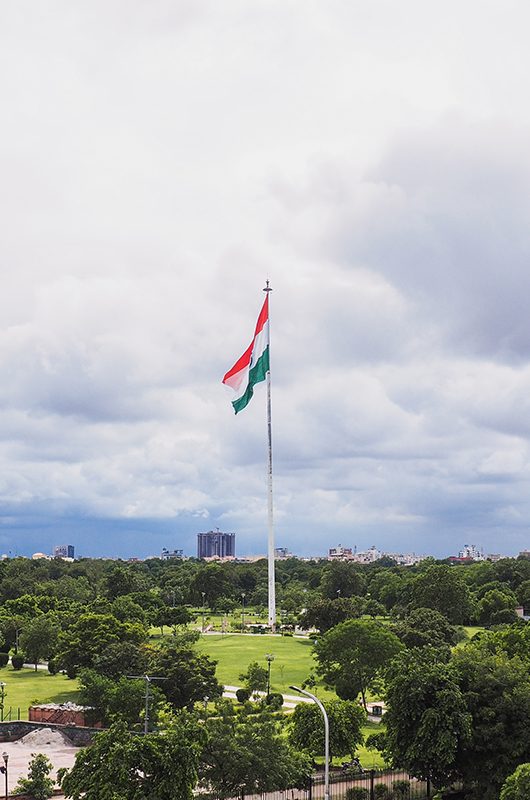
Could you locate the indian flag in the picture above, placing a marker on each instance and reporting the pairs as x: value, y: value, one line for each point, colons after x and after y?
x: 253, y: 365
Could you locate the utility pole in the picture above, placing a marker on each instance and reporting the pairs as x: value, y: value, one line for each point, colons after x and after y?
x: 148, y: 679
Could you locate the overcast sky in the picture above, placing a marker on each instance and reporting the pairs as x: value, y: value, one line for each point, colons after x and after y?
x: 158, y: 161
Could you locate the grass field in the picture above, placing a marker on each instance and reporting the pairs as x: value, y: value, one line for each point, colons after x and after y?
x: 24, y: 687
x: 370, y: 759
x: 293, y: 659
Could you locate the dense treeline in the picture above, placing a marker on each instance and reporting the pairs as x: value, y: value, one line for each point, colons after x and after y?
x: 453, y: 712
x: 486, y: 588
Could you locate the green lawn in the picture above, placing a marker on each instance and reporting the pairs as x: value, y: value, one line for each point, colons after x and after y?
x: 25, y: 686
x: 293, y: 659
x: 471, y: 630
x: 371, y: 759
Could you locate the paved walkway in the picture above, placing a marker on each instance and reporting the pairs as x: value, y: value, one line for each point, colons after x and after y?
x: 289, y: 700
x: 20, y: 755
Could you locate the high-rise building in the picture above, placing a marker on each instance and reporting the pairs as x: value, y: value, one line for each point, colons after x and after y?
x: 63, y: 551
x: 216, y: 543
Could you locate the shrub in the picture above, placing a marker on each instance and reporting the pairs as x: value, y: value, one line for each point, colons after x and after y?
x: 4, y: 659
x: 274, y: 700
x: 52, y: 667
x: 382, y: 792
x: 356, y: 793
x: 37, y: 785
x: 401, y: 790
x: 71, y: 672
x: 17, y: 661
x: 242, y: 695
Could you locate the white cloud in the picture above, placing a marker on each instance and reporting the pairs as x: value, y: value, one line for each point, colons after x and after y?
x: 158, y: 163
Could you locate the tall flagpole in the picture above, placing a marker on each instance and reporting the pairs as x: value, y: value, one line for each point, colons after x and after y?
x: 272, y: 584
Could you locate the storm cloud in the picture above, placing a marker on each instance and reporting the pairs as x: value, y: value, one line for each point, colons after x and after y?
x: 158, y: 163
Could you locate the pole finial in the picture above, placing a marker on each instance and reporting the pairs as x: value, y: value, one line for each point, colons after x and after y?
x: 267, y: 287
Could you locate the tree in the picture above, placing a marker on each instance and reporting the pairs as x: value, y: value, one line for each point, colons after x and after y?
x: 117, y: 700
x: 493, y: 602
x: 523, y: 594
x: 90, y: 635
x: 37, y: 785
x: 121, y: 658
x: 345, y: 728
x: 387, y: 586
x: 517, y: 785
x: 212, y: 580
x: 496, y: 690
x: 118, y: 766
x: 171, y: 616
x: 325, y: 614
x: 351, y: 655
x: 39, y: 638
x: 425, y: 627
x: 126, y: 609
x: 512, y: 640
x: 442, y: 588
x: 190, y: 676
x: 343, y: 578
x: 249, y: 754
x: 255, y: 678
x: 427, y: 721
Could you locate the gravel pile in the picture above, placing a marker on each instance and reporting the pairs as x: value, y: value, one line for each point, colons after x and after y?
x: 44, y: 737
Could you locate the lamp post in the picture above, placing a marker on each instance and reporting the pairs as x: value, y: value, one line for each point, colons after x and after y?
x: 203, y: 595
x: 270, y: 659
x: 243, y: 595
x: 315, y: 699
x: 5, y: 756
x: 2, y: 699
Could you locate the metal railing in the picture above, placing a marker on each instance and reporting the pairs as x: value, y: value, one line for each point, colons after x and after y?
x: 368, y: 785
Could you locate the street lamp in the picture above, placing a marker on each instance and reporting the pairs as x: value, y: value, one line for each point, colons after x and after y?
x: 243, y: 595
x: 270, y: 659
x: 3, y: 769
x: 315, y: 699
x: 203, y: 595
x: 2, y: 699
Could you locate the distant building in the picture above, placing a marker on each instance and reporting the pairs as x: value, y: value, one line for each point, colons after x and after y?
x: 471, y: 551
x: 63, y: 551
x: 368, y: 556
x: 216, y: 544
x: 340, y: 552
x: 282, y: 552
x: 166, y: 554
x: 524, y: 554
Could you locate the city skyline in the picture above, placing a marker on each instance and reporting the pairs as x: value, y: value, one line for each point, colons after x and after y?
x: 158, y: 165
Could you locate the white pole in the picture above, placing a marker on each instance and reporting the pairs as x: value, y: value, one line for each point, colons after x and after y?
x: 326, y: 736
x: 272, y: 585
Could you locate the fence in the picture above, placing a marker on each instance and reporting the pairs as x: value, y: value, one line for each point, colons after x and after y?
x: 10, y: 714
x: 370, y: 785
